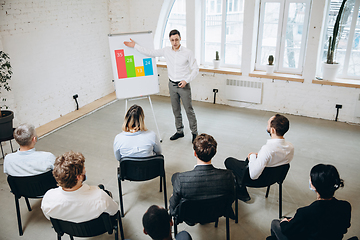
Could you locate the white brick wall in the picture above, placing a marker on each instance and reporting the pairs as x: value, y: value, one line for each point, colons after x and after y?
x: 57, y: 49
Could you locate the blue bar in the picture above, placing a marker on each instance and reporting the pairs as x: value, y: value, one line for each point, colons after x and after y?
x: 148, y: 67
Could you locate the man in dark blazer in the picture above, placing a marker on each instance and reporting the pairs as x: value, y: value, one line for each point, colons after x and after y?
x: 204, y: 181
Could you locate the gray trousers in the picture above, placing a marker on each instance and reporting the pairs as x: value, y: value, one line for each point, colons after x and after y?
x: 177, y: 93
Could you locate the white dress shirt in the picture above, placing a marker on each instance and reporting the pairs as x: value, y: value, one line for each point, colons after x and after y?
x: 181, y: 64
x: 86, y: 203
x: 274, y: 153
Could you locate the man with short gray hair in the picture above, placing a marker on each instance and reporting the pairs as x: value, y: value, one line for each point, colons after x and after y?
x: 26, y: 161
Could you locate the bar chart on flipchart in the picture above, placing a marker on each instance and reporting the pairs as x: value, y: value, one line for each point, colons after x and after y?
x: 134, y: 74
x: 126, y: 67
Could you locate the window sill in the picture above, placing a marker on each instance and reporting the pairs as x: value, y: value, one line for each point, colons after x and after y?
x: 231, y: 71
x: 278, y: 76
x: 339, y: 82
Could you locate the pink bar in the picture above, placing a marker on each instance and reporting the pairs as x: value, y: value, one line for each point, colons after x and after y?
x: 120, y: 63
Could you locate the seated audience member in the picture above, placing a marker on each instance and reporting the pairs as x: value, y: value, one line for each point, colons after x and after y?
x: 26, y: 161
x: 135, y: 140
x: 157, y: 224
x: 275, y: 152
x: 204, y: 181
x: 326, y: 218
x: 74, y: 200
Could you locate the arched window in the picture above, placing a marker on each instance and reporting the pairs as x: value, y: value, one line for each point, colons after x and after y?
x: 218, y: 23
x: 176, y: 20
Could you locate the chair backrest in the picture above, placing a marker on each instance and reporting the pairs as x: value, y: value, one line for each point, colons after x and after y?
x: 270, y: 175
x: 141, y: 168
x: 32, y: 186
x: 205, y: 210
x: 90, y: 228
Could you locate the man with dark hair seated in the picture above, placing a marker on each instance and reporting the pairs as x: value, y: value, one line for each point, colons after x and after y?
x: 204, y: 181
x: 157, y: 224
x: 275, y: 152
x: 74, y: 200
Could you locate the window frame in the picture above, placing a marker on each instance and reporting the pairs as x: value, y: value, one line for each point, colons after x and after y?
x: 224, y: 11
x: 350, y: 41
x: 281, y: 33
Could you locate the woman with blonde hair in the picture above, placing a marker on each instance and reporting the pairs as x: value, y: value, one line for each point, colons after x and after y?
x: 135, y: 140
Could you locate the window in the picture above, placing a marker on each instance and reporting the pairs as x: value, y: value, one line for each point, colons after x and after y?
x: 348, y: 49
x: 222, y: 31
x: 176, y: 20
x: 218, y: 28
x: 283, y: 28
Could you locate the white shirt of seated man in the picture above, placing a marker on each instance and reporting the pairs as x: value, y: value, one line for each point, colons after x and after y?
x: 77, y: 204
x: 275, y: 152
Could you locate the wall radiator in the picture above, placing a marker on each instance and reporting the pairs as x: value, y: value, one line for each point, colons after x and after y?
x: 243, y: 91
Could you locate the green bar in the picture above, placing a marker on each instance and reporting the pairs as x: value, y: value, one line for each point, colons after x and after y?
x: 130, y: 66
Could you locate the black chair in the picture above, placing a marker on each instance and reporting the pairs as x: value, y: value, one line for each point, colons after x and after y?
x: 104, y: 223
x: 268, y: 177
x: 30, y: 187
x: 205, y: 211
x: 4, y: 140
x: 141, y: 169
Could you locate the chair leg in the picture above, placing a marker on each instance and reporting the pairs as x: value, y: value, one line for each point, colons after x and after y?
x: 116, y: 230
x: 280, y: 200
x: 175, y: 228
x: 121, y: 229
x: 12, y: 150
x: 28, y: 204
x: 160, y: 183
x: 120, y: 198
x: 227, y: 229
x: 18, y: 216
x: 59, y: 237
x: 236, y: 211
x: 165, y: 195
x: 217, y: 222
x: 71, y: 237
x: 267, y: 191
x: 2, y: 151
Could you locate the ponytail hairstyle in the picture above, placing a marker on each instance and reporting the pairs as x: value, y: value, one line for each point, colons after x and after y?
x: 326, y: 180
x: 134, y: 119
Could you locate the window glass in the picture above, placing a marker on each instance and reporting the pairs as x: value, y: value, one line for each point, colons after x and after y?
x: 347, y: 53
x: 294, y: 32
x: 176, y: 20
x: 269, y: 31
x: 283, y: 28
x: 212, y: 30
x: 354, y: 69
x: 233, y: 36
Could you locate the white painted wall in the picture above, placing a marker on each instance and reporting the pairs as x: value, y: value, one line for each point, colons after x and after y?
x: 57, y: 49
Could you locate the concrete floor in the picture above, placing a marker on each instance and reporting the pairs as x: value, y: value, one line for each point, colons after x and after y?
x: 237, y: 131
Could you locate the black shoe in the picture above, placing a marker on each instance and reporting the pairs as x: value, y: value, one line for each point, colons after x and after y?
x: 243, y: 195
x: 176, y: 136
x: 193, y: 137
x: 101, y: 186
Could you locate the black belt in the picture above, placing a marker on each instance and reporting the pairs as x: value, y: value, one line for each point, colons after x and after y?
x: 174, y: 82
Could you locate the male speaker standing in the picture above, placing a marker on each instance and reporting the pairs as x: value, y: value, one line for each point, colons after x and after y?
x: 182, y: 69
